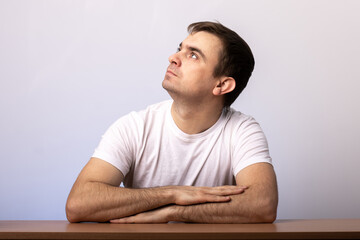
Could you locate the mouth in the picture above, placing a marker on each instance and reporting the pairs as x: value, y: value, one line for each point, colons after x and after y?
x: 169, y: 72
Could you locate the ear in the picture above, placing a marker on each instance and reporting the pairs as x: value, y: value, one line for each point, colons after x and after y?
x: 224, y: 85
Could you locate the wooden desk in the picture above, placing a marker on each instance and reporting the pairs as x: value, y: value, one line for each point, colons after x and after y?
x: 281, y: 229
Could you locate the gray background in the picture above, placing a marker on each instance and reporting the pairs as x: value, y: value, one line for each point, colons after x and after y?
x: 68, y: 69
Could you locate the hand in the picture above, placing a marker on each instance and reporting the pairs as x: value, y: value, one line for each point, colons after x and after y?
x: 184, y: 195
x: 159, y: 215
x: 188, y: 195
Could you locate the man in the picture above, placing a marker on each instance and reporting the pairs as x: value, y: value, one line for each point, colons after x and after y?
x: 193, y: 159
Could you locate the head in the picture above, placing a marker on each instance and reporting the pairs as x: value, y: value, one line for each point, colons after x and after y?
x: 189, y: 77
x: 235, y: 58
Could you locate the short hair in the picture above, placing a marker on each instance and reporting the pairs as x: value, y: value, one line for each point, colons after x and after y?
x: 236, y: 59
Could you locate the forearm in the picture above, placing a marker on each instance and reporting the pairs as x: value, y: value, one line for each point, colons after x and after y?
x: 243, y: 208
x: 100, y: 202
x: 95, y: 201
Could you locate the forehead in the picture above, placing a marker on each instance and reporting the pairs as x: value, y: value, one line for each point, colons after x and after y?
x: 208, y: 43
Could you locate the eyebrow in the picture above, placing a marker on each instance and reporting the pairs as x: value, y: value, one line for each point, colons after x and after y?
x: 194, y: 49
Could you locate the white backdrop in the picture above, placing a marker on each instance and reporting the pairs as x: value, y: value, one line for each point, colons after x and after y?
x: 68, y: 69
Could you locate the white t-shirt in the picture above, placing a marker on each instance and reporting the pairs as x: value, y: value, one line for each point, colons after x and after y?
x: 150, y: 150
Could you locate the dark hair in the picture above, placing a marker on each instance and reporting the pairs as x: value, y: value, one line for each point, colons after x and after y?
x: 236, y: 59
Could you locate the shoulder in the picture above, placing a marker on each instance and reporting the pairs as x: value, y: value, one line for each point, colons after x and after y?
x: 158, y: 107
x: 152, y: 112
x: 237, y: 119
x: 142, y: 115
x: 240, y: 125
x: 138, y: 119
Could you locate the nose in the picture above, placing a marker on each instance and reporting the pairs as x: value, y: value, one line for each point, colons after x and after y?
x: 175, y: 59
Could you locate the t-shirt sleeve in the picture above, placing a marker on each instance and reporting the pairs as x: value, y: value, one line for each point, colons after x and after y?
x: 118, y: 145
x: 249, y: 145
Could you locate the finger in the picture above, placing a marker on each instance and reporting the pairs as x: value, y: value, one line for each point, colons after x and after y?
x: 227, y: 187
x: 214, y: 198
x: 123, y: 220
x: 227, y: 191
x: 117, y: 221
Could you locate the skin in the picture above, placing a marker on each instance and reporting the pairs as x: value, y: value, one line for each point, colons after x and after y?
x: 96, y: 196
x: 198, y: 102
x: 197, y: 94
x: 256, y: 205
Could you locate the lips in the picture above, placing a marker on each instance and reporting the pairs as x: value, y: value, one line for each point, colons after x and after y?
x: 170, y: 72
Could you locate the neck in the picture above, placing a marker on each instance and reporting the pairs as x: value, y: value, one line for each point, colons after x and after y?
x: 195, y: 118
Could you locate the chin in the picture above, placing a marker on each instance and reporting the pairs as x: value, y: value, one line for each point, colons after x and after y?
x: 167, y: 85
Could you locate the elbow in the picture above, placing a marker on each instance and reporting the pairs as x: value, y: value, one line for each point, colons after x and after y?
x: 78, y: 211
x: 269, y: 216
x: 73, y: 213
x: 266, y: 212
x: 269, y: 211
x: 263, y: 216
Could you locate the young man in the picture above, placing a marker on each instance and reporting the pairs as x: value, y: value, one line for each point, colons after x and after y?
x: 192, y: 159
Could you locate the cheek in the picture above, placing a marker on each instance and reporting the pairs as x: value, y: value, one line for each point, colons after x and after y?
x: 196, y: 73
x: 197, y: 77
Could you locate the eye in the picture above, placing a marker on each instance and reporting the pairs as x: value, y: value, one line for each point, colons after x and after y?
x: 178, y: 49
x: 193, y: 55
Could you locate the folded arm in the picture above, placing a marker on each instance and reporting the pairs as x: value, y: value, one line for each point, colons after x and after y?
x: 257, y: 204
x: 96, y: 195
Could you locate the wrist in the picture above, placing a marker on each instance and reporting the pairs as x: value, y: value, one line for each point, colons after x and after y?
x: 170, y: 194
x: 174, y: 213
